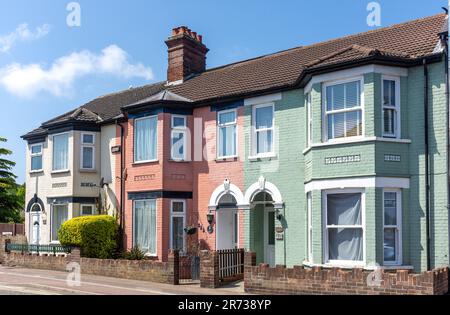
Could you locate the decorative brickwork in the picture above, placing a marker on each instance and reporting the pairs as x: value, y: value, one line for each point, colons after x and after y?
x: 298, y: 280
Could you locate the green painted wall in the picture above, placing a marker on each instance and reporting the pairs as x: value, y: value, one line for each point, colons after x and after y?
x: 295, y: 166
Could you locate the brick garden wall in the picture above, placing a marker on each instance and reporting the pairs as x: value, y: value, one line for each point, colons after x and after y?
x: 145, y: 270
x: 262, y: 279
x: 18, y: 239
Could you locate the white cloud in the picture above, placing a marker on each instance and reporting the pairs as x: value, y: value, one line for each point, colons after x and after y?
x: 58, y: 79
x: 22, y: 33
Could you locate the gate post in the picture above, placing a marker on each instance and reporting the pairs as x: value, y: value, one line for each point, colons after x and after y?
x: 209, y: 269
x: 174, y: 265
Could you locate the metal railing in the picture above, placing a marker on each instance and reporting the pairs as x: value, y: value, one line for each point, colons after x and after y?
x: 38, y: 249
x: 231, y: 263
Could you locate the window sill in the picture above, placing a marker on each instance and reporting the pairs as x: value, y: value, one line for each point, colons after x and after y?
x: 356, y: 140
x: 233, y: 158
x: 60, y: 172
x: 86, y: 170
x: 145, y: 162
x: 261, y: 157
x: 349, y: 266
x: 179, y: 161
x: 36, y: 172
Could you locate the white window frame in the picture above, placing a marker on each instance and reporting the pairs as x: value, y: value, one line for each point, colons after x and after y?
x: 309, y: 123
x: 155, y: 254
x: 325, y: 113
x: 93, y: 209
x: 396, y: 108
x: 52, y: 241
x: 87, y: 145
x: 68, y: 152
x: 345, y: 263
x: 310, y: 225
x: 177, y: 215
x: 134, y: 140
x: 178, y: 129
x: 255, y: 132
x: 41, y: 154
x: 398, y: 227
x: 219, y: 126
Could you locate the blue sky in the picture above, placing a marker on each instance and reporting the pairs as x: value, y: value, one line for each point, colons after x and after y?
x: 48, y: 68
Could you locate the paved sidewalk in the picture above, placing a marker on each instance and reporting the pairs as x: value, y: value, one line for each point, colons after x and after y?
x: 44, y: 282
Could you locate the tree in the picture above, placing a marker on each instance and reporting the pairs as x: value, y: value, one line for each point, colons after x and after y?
x: 12, y: 197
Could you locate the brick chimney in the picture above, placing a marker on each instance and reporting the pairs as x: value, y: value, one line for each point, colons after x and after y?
x: 187, y: 54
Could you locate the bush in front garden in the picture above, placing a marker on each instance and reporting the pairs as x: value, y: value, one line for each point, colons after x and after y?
x: 95, y: 235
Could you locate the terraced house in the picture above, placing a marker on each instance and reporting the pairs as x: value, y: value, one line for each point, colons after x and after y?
x: 333, y: 154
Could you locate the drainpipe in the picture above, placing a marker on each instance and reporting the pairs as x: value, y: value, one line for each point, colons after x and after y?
x: 427, y: 161
x: 121, y: 207
x: 444, y: 42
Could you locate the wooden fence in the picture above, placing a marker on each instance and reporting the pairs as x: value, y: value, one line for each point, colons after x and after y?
x: 12, y: 229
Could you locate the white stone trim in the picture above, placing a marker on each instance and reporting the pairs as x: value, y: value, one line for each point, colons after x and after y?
x: 262, y: 99
x: 220, y: 191
x: 358, y: 182
x: 268, y: 188
x: 353, y: 72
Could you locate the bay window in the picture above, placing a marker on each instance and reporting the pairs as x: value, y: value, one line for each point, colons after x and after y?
x: 60, y: 214
x: 87, y: 151
x: 344, y: 227
x: 178, y: 138
x: 145, y: 139
x: 343, y: 110
x: 392, y: 227
x: 177, y: 224
x: 391, y: 105
x: 263, y: 129
x: 144, y: 226
x: 310, y: 226
x: 61, y: 152
x: 36, y: 157
x: 226, y: 126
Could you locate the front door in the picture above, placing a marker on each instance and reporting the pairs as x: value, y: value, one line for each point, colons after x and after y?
x: 35, y: 228
x: 269, y: 236
x: 226, y: 234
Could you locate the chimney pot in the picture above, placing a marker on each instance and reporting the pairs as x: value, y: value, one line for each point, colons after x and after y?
x: 187, y: 56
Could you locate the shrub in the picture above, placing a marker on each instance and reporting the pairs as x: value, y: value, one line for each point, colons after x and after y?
x: 95, y: 235
x: 134, y: 254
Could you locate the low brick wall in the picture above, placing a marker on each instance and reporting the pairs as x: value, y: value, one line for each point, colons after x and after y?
x: 145, y: 270
x: 298, y: 280
x: 209, y: 269
x: 18, y: 239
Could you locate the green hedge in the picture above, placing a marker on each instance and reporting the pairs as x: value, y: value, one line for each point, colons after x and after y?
x: 95, y: 235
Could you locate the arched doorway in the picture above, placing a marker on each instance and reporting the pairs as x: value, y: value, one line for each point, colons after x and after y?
x: 265, y: 202
x: 227, y: 222
x: 35, y: 224
x: 262, y: 220
x: 225, y: 202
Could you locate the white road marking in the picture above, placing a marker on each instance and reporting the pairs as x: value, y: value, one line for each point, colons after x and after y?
x: 89, y: 283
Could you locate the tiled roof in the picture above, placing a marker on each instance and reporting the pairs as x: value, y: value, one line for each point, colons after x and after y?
x: 407, y: 41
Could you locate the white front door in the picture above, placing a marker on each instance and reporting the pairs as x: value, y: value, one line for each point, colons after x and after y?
x: 35, y: 228
x: 269, y: 236
x: 226, y: 231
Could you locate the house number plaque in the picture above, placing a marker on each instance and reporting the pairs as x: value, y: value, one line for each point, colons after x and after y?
x: 279, y: 233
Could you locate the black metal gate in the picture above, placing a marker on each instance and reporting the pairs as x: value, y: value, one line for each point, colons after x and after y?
x: 189, y: 268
